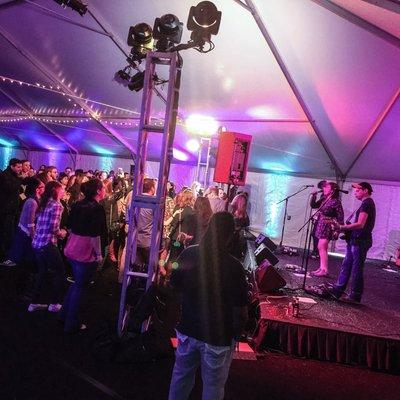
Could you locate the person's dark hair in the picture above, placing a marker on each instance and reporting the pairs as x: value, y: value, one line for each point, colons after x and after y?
x: 117, y: 182
x: 62, y: 175
x: 50, y: 192
x: 79, y: 171
x: 203, y: 211
x: 42, y: 176
x: 79, y: 177
x: 90, y: 188
x: 321, y: 184
x: 13, y: 162
x: 24, y: 161
x: 218, y: 236
x: 335, y: 189
x: 32, y: 184
x: 50, y: 168
x: 148, y: 184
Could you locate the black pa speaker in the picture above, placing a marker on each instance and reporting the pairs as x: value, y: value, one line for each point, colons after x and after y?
x: 268, y: 279
x: 263, y: 253
x: 264, y: 239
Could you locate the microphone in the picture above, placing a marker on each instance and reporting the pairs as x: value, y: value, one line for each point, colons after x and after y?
x: 339, y: 190
x: 308, y: 186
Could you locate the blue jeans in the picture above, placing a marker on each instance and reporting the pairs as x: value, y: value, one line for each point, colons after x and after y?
x: 48, y: 258
x: 214, y: 362
x: 83, y: 274
x: 353, y: 266
x: 21, y: 248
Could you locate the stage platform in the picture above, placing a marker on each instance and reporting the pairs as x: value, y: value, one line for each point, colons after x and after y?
x: 366, y: 334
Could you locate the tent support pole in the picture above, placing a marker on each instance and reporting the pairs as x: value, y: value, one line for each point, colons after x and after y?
x: 292, y: 83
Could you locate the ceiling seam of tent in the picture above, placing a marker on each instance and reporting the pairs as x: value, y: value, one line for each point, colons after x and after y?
x: 386, y: 4
x: 65, y: 89
x: 374, y: 129
x: 360, y: 22
x: 10, y: 3
x: 292, y: 84
x: 61, y: 17
x: 243, y: 5
x: 27, y: 110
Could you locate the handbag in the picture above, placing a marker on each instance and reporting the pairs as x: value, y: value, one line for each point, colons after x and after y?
x: 83, y: 248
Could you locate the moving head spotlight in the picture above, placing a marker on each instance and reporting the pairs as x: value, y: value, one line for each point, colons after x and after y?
x: 76, y: 5
x: 167, y: 30
x: 204, y: 20
x: 140, y: 38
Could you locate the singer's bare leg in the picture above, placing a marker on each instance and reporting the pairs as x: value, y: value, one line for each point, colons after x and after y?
x: 323, y: 257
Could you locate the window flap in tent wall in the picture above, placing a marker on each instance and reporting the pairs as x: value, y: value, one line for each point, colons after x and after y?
x: 112, y: 133
x: 362, y: 23
x: 292, y: 84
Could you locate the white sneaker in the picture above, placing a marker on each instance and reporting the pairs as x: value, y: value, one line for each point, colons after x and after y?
x: 70, y: 279
x: 36, y: 307
x: 8, y: 263
x: 55, y: 307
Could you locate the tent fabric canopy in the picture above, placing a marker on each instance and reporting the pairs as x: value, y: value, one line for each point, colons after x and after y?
x: 326, y: 98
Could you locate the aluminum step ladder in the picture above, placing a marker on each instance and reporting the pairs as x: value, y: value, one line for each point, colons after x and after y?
x: 156, y: 203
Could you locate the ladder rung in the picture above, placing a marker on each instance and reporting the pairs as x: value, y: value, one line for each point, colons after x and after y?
x: 145, y: 199
x: 139, y: 274
x: 153, y: 128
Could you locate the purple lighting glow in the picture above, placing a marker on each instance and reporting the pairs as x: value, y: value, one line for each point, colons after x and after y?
x: 180, y: 155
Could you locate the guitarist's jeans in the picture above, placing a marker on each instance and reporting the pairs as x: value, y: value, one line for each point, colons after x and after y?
x: 353, y: 266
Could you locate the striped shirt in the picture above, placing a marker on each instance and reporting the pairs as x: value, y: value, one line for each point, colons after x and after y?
x: 48, y: 224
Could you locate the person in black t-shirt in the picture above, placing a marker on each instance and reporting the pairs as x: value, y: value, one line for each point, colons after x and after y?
x: 213, y: 310
x: 359, y: 241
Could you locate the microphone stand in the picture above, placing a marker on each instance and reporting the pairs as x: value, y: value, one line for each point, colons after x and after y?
x: 286, y: 199
x: 308, y: 239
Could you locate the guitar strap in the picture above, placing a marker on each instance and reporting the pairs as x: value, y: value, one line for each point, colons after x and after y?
x: 348, y: 220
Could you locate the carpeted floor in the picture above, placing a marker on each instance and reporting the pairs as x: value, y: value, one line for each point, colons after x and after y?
x: 37, y: 361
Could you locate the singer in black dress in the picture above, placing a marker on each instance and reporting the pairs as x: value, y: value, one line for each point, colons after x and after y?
x: 331, y: 211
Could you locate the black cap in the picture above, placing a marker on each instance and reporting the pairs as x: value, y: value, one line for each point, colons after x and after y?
x: 363, y: 185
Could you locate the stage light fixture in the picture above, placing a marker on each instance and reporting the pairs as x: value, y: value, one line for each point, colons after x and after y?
x: 204, y: 20
x: 140, y: 38
x: 136, y: 82
x: 123, y: 76
x: 76, y: 5
x: 167, y: 30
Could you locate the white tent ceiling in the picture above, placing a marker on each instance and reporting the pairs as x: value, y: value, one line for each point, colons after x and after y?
x: 323, y: 93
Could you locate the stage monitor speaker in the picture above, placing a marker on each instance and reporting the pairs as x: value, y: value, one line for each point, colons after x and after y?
x: 232, y: 158
x: 264, y: 239
x: 268, y: 279
x: 263, y: 253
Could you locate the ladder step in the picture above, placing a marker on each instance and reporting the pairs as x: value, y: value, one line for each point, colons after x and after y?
x: 146, y: 199
x: 138, y: 274
x: 153, y: 128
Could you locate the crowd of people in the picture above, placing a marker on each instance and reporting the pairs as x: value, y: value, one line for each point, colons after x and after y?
x: 72, y: 223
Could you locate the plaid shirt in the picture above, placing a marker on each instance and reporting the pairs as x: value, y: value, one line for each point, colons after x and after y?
x: 48, y: 224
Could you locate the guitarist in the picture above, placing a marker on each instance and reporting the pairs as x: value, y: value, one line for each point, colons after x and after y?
x: 358, y: 243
